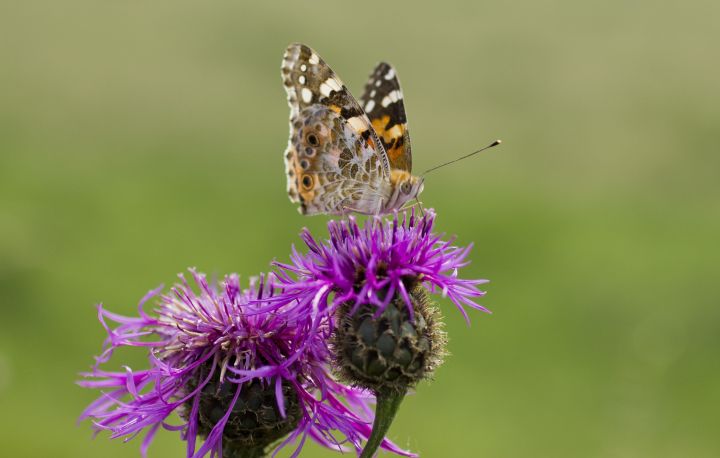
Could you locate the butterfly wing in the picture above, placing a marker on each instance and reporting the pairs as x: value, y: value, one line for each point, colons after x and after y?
x: 331, y: 168
x: 383, y: 103
x: 334, y: 160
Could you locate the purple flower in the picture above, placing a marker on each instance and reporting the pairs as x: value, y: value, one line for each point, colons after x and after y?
x: 242, y: 372
x: 373, y: 284
x: 376, y: 263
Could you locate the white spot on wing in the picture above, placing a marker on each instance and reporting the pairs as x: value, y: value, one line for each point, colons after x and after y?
x: 369, y: 106
x: 334, y: 84
x: 303, y: 67
x: 390, y: 74
x: 302, y: 79
x: 372, y: 93
x: 306, y: 95
x: 378, y: 83
x: 314, y: 59
x: 395, y: 131
x: 356, y: 123
x: 394, y: 96
x: 330, y: 84
x: 325, y: 89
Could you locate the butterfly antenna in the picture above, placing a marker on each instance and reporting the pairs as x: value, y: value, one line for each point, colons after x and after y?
x: 495, y: 143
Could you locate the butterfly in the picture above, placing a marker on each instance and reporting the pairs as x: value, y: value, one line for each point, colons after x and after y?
x: 345, y: 155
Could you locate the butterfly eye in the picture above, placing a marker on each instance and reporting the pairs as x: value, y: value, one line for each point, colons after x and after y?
x: 307, y: 182
x: 405, y: 187
x: 312, y: 139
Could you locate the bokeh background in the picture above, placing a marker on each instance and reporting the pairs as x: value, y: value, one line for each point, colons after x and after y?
x: 141, y: 138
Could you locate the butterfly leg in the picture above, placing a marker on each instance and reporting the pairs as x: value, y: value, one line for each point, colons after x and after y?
x: 361, y: 207
x: 346, y: 210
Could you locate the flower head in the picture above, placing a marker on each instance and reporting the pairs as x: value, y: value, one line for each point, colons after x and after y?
x: 379, y: 262
x: 241, y: 375
x: 373, y: 284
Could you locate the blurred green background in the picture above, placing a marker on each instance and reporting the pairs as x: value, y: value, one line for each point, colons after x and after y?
x: 140, y: 138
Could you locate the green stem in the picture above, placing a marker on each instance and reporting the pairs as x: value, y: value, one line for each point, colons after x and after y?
x: 388, y: 403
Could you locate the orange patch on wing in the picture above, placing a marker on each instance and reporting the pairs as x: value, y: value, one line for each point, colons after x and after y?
x: 308, y: 195
x: 395, y: 132
x: 297, y: 176
x: 379, y: 125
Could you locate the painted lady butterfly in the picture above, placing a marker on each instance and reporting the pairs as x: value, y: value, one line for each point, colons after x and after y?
x: 344, y: 156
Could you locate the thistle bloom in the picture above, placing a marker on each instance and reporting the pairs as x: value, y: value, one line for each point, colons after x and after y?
x: 241, y: 375
x: 379, y: 262
x: 374, y: 282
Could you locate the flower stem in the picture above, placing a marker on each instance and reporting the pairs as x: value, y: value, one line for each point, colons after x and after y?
x: 388, y: 403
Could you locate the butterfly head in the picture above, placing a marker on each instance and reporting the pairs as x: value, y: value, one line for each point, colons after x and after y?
x: 405, y: 187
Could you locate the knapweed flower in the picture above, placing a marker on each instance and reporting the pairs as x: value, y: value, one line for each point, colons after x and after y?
x: 240, y: 374
x: 374, y: 282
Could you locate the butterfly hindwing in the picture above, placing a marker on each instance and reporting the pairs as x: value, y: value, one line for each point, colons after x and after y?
x: 384, y: 106
x: 334, y: 160
x: 332, y: 169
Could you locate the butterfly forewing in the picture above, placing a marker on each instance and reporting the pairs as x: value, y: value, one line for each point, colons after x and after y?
x: 384, y: 106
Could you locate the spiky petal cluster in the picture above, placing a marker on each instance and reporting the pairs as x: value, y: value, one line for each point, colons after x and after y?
x: 376, y: 263
x: 223, y: 337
